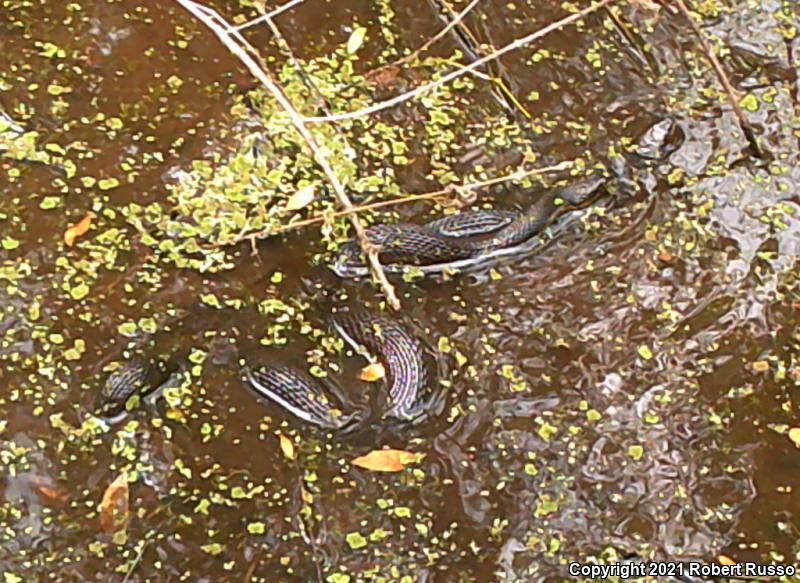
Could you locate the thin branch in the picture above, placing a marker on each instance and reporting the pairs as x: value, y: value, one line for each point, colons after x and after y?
x: 135, y: 562
x: 438, y: 36
x: 229, y: 38
x: 722, y: 76
x: 518, y: 174
x: 268, y: 15
x: 307, y: 81
x: 542, y: 32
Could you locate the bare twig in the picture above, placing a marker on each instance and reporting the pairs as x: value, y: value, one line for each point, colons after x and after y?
x: 135, y: 562
x: 269, y: 15
x: 252, y: 568
x: 307, y: 81
x: 520, y: 42
x: 238, y: 46
x: 730, y: 91
x: 518, y: 174
x: 438, y: 36
x: 638, y: 49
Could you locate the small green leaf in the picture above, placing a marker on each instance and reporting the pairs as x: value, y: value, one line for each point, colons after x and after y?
x: 127, y: 328
x: 636, y: 452
x: 749, y: 102
x: 593, y: 415
x: 9, y: 243
x: 174, y: 82
x: 80, y: 291
x: 213, y: 548
x: 645, y: 352
x: 546, y: 431
x: 49, y: 202
x: 355, y: 540
x: 108, y: 183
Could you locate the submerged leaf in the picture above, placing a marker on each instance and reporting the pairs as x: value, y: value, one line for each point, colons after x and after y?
x: 114, y: 508
x: 78, y: 229
x: 387, y: 460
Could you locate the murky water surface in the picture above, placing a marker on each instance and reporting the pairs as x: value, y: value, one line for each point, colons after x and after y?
x: 625, y: 390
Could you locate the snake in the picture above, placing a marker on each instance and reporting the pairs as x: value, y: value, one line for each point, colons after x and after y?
x: 373, y: 335
x: 137, y: 377
x: 464, y: 238
x: 455, y: 240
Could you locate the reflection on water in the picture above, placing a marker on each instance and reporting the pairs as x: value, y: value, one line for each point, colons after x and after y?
x: 622, y: 391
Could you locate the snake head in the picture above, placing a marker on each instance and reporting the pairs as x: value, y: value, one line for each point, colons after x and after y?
x: 582, y: 192
x: 350, y: 261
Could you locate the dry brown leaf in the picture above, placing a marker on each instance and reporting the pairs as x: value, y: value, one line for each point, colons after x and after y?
x: 48, y: 491
x: 794, y: 435
x: 386, y: 460
x: 385, y: 75
x: 52, y: 493
x: 78, y: 229
x: 372, y: 372
x: 114, y: 508
x: 725, y: 560
x: 301, y: 198
x: 287, y: 447
x: 665, y: 256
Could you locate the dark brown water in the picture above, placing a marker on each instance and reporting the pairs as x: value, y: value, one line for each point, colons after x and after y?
x: 625, y: 390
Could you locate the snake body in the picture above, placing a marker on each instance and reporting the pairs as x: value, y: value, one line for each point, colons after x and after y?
x: 371, y: 334
x: 399, y: 351
x: 138, y: 376
x: 469, y: 235
x: 303, y: 396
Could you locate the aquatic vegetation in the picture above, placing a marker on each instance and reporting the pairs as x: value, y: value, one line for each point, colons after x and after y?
x: 629, y: 388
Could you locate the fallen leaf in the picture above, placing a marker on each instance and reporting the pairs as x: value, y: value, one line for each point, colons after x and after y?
x: 78, y: 229
x: 385, y: 75
x: 48, y: 491
x: 665, y: 257
x: 114, y: 508
x: 356, y: 39
x: 386, y: 460
x: 287, y: 447
x: 372, y: 372
x: 794, y: 435
x: 301, y: 198
x: 725, y: 560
